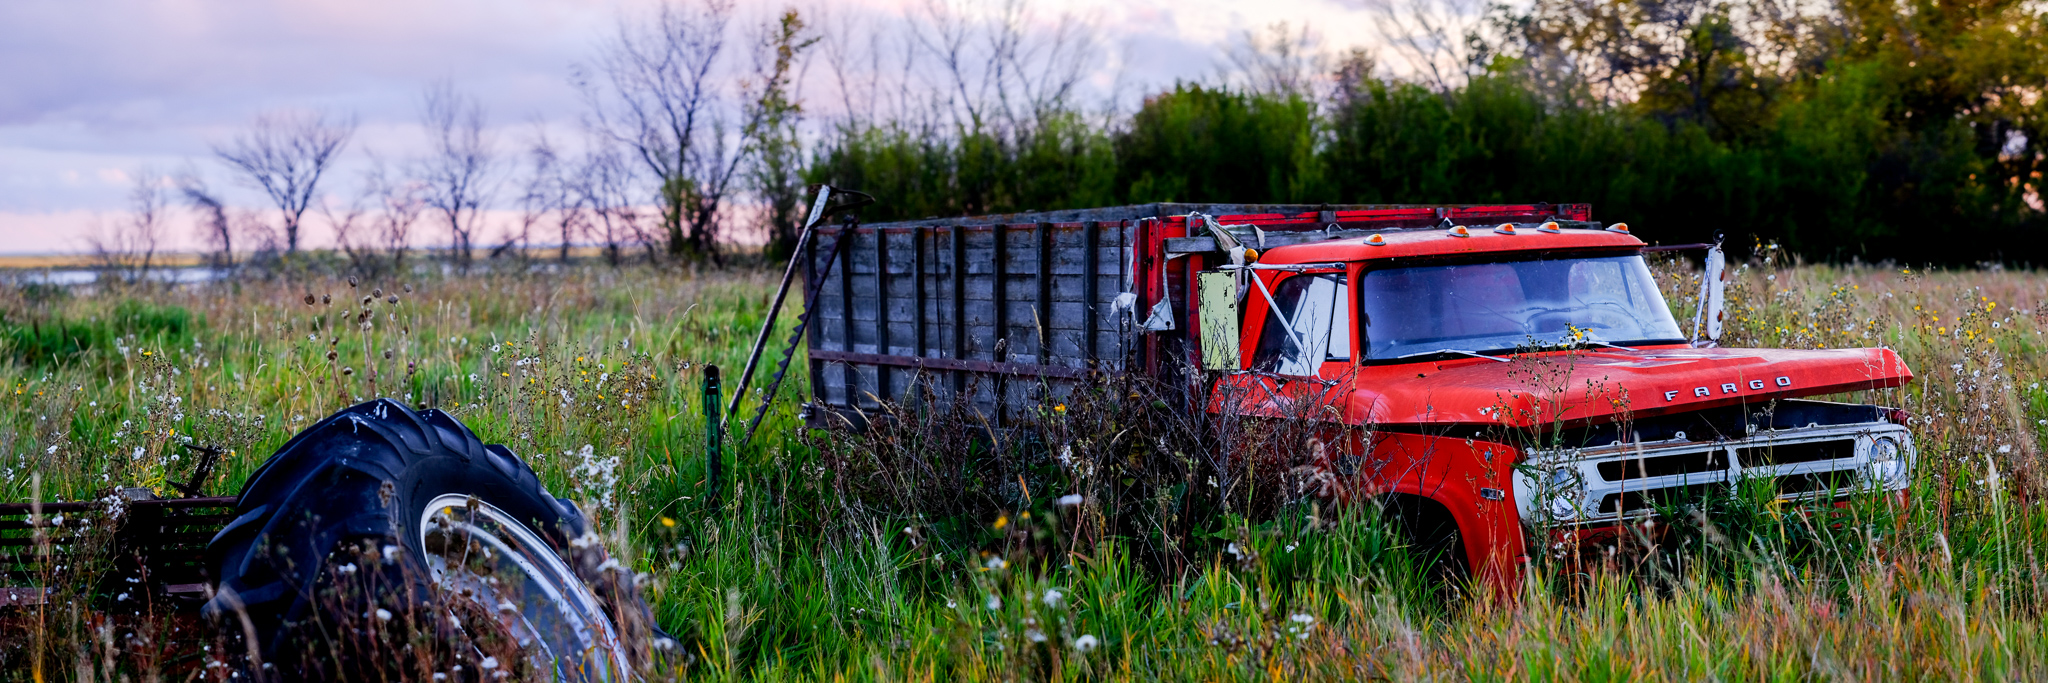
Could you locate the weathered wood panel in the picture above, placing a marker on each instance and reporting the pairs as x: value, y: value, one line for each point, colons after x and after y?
x: 1022, y: 291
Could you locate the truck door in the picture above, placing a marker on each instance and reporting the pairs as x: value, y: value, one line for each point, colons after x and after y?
x: 1300, y: 334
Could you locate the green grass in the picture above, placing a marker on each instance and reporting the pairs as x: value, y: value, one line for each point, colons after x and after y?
x: 908, y: 554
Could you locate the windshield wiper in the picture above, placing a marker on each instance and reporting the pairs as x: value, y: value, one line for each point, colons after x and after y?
x: 1455, y: 352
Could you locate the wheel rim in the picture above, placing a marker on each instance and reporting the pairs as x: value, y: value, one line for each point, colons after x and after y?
x: 478, y: 554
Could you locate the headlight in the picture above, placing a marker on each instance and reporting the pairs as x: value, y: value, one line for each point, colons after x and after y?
x: 1566, y: 490
x: 1885, y: 464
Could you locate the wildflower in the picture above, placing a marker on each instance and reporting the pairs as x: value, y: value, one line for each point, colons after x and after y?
x: 1053, y: 597
x: 383, y: 614
x: 994, y: 563
x: 668, y: 522
x: 489, y: 663
x: 995, y: 602
x: 1061, y: 408
x: 1001, y: 521
x: 1035, y: 635
x: 1070, y: 499
x: 1086, y: 643
x: 1303, y: 619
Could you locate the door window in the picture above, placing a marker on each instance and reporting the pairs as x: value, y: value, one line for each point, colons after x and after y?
x: 1308, y: 323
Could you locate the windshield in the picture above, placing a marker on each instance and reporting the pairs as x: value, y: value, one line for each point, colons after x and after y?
x: 1501, y: 306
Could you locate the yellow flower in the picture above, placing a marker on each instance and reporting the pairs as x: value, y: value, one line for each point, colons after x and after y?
x: 505, y: 374
x: 1002, y: 521
x: 1061, y: 409
x: 579, y: 359
x: 668, y: 522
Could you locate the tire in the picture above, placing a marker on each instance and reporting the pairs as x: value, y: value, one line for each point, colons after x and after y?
x: 374, y: 545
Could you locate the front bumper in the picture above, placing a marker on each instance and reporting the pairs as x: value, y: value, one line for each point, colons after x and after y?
x: 1610, y: 484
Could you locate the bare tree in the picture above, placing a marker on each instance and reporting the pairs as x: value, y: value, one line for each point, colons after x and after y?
x: 458, y: 171
x: 285, y: 154
x: 1445, y: 42
x: 214, y: 227
x: 399, y: 206
x: 605, y: 186
x: 655, y: 95
x: 554, y: 195
x: 128, y: 248
x: 1280, y: 61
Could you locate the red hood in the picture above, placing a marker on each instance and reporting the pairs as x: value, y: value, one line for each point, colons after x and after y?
x: 1587, y: 385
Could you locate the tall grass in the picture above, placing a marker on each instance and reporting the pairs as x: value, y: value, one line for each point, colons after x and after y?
x: 1095, y: 547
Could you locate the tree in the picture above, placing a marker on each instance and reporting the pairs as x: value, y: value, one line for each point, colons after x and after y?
x: 214, y: 227
x: 604, y: 184
x: 776, y: 173
x: 285, y: 154
x: 552, y: 195
x: 656, y: 97
x: 458, y: 171
x: 128, y: 248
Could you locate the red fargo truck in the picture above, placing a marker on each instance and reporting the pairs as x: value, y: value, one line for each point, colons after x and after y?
x: 1406, y: 334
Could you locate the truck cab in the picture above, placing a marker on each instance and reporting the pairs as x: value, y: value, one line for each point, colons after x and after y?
x: 1526, y: 380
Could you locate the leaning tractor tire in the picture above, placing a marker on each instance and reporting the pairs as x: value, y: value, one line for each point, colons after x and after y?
x: 387, y: 544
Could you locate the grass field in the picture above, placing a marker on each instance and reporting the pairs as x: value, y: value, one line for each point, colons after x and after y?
x: 833, y: 557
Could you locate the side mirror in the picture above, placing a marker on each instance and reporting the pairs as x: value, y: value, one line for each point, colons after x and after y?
x: 1217, y: 301
x: 1713, y: 287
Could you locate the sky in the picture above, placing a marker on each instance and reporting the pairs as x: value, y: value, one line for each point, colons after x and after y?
x: 93, y: 92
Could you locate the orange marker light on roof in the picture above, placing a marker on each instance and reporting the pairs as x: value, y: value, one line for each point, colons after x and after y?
x: 1460, y: 231
x: 1618, y: 227
x: 1505, y: 229
x: 1550, y: 227
x: 1376, y: 241
x: 1251, y: 256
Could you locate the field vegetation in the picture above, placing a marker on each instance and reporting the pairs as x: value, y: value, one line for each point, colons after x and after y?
x: 1098, y: 545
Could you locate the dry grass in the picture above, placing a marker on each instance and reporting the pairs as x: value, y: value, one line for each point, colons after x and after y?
x: 809, y: 569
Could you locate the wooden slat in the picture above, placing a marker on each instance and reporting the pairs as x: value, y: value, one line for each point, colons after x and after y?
x: 1042, y: 301
x: 882, y: 311
x: 958, y: 239
x: 1090, y: 234
x: 847, y: 375
x: 814, y: 332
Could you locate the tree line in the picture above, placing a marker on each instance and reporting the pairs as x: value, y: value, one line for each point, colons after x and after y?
x: 1909, y: 130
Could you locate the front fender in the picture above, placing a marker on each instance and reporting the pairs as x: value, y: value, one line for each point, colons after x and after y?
x: 1470, y: 478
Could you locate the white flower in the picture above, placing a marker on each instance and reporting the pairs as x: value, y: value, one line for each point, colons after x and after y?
x: 1053, y: 597
x: 489, y: 663
x: 383, y: 614
x: 1070, y: 499
x: 1035, y: 635
x: 1303, y: 619
x: 1232, y: 549
x: 2004, y: 448
x: 1086, y: 643
x: 349, y: 568
x: 995, y: 563
x: 1290, y: 547
x: 995, y: 602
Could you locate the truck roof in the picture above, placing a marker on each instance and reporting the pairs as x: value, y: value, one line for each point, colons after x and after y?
x: 1412, y: 243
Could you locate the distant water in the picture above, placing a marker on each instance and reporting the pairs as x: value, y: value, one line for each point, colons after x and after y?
x: 71, y: 277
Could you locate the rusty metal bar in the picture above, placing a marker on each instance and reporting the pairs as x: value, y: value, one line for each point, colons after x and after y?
x: 956, y: 364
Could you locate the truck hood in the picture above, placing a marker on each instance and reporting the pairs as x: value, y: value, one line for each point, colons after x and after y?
x: 1579, y: 386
